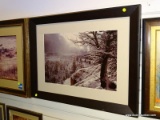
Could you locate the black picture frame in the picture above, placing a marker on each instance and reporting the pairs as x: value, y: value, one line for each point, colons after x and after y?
x: 133, y: 13
x: 149, y: 68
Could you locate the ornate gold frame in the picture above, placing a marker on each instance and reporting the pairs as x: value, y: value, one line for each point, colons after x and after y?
x: 21, y: 87
x: 2, y: 107
x: 151, y: 27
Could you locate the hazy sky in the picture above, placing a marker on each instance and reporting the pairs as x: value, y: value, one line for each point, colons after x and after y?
x: 8, y: 41
x: 60, y: 43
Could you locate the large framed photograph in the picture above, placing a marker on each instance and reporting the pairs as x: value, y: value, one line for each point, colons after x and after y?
x: 2, y: 111
x: 88, y: 58
x: 151, y: 67
x: 14, y: 113
x: 14, y: 57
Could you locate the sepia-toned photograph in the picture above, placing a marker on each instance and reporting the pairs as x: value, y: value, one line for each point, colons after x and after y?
x: 84, y: 59
x: 8, y: 58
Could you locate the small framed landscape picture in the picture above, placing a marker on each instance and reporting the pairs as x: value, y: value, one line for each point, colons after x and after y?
x: 14, y: 57
x: 2, y: 111
x: 14, y: 113
x: 151, y: 67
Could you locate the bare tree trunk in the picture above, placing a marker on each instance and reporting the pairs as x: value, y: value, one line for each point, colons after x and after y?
x: 103, y: 77
x: 105, y: 82
x: 72, y: 81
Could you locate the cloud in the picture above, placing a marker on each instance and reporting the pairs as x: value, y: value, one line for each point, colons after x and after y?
x: 56, y: 43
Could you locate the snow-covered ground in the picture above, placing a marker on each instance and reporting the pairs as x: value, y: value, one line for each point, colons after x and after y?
x: 86, y: 77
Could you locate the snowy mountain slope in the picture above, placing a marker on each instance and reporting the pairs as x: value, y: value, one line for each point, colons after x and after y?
x: 87, y: 77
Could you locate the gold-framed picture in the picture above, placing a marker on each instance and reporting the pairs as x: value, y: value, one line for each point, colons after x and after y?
x: 14, y: 113
x: 2, y: 111
x: 14, y: 57
x: 151, y: 68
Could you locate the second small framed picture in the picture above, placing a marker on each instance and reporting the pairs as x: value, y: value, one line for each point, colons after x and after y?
x: 14, y: 113
x: 2, y: 111
x: 151, y: 67
x: 14, y: 57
